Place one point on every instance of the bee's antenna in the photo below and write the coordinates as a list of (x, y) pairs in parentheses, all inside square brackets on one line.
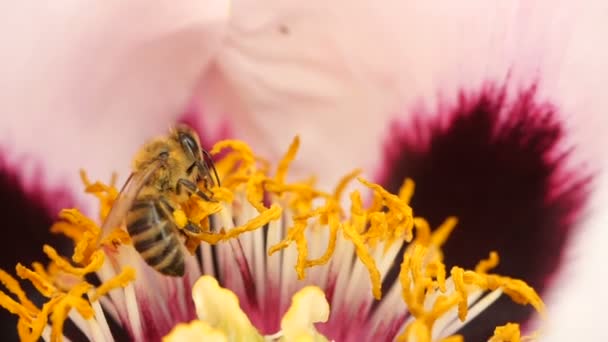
[(210, 162)]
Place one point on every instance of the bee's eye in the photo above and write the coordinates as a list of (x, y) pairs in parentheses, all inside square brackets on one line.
[(189, 144)]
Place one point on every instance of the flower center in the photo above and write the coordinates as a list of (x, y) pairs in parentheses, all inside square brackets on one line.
[(246, 180)]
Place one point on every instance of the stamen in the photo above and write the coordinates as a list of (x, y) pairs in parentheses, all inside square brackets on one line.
[(106, 194), (94, 264), (507, 333), (121, 280), (286, 161), (13, 287), (365, 257), (344, 181), (483, 266), (399, 215), (45, 287), (373, 233)]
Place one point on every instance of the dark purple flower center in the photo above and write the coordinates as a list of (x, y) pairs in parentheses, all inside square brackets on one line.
[(27, 214), (498, 163)]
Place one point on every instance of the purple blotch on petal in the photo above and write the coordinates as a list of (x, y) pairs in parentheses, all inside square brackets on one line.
[(499, 163), (28, 210)]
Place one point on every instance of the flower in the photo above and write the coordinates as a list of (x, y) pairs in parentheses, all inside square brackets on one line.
[(253, 213), (282, 63)]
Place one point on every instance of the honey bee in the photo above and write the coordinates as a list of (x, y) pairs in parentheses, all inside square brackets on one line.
[(166, 172)]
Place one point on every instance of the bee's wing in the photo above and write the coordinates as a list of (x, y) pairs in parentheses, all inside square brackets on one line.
[(126, 197)]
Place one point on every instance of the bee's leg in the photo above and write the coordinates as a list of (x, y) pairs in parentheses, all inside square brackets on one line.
[(191, 228), (185, 184)]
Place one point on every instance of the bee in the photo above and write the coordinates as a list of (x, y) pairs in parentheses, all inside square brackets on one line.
[(166, 172)]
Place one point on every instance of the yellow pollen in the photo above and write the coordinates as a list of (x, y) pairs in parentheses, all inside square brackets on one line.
[(339, 190), (483, 266), (96, 261), (116, 237), (12, 285), (45, 287), (244, 152), (121, 280), (507, 333), (366, 259), (283, 166), (105, 193), (180, 218), (407, 190), (399, 214)]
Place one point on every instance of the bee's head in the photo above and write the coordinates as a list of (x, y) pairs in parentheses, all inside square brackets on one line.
[(188, 141), (198, 156)]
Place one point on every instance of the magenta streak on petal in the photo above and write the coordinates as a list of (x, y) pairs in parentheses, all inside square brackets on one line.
[(497, 161), (195, 118), (152, 330)]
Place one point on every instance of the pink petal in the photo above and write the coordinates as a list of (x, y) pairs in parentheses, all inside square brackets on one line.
[(85, 83)]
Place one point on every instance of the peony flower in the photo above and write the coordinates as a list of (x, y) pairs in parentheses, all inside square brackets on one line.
[(253, 213), (249, 67)]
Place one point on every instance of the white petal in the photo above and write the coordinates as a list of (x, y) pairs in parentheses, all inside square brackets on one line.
[(84, 83)]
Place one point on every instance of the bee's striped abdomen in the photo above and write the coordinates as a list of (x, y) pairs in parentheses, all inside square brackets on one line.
[(154, 236)]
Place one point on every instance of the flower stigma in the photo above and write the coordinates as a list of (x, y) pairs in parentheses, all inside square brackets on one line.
[(101, 276)]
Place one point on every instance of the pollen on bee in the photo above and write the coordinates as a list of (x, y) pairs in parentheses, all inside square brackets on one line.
[(180, 218)]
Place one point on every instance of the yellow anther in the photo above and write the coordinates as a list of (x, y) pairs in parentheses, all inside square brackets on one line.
[(407, 190), (518, 290), (14, 307), (246, 156), (13, 287), (117, 237), (73, 224), (72, 299), (344, 181), (292, 235), (96, 261), (399, 214), (366, 258), (271, 214), (302, 247), (283, 166), (121, 280), (423, 231), (106, 194), (255, 191), (334, 225), (441, 234), (457, 277), (485, 265), (84, 247), (506, 333), (32, 331), (41, 284)]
